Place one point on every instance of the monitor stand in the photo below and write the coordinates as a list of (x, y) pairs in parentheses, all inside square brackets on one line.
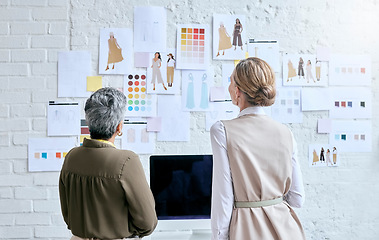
[(201, 235)]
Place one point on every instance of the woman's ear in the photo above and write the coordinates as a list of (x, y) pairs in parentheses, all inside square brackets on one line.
[(119, 126)]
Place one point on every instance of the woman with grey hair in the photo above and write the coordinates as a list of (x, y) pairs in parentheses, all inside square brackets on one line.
[(103, 190)]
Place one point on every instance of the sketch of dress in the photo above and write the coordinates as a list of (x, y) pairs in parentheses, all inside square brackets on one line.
[(291, 71), (315, 157), (131, 135), (204, 93), (144, 135), (157, 72), (190, 93), (224, 41), (115, 54), (318, 70)]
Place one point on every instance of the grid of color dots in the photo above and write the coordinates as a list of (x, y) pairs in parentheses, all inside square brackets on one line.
[(138, 100), (192, 42)]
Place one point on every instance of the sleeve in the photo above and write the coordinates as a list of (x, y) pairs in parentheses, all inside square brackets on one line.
[(296, 195), (63, 199), (222, 189), (139, 197)]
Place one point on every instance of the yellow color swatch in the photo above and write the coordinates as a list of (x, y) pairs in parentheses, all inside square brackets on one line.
[(236, 62), (94, 83)]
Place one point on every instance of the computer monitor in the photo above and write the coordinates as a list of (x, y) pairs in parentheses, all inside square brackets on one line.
[(182, 186)]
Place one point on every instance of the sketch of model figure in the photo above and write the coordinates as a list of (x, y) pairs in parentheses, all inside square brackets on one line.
[(328, 161), (322, 157), (190, 93), (114, 52), (170, 69), (309, 71), (315, 157), (157, 63), (224, 40), (318, 70), (300, 69), (291, 71), (237, 34), (334, 155), (204, 93)]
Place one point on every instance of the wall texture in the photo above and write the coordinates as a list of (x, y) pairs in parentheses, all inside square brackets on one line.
[(340, 202)]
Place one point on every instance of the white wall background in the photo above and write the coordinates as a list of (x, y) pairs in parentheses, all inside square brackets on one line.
[(341, 203)]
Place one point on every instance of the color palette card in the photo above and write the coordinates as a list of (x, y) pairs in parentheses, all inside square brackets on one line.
[(353, 70), (193, 46), (140, 104)]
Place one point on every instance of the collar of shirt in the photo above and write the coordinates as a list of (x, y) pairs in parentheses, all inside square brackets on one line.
[(105, 141), (252, 110)]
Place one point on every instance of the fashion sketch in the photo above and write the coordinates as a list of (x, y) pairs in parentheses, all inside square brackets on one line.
[(315, 158), (170, 69), (328, 161), (157, 76), (114, 52), (237, 40), (309, 75), (318, 70), (190, 93), (204, 92), (322, 157), (291, 71), (224, 40), (300, 70), (334, 155)]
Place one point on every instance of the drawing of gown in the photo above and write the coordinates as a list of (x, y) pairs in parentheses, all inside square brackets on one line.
[(204, 93), (157, 72), (309, 73), (237, 35), (190, 93), (315, 157), (291, 71), (115, 54), (224, 40)]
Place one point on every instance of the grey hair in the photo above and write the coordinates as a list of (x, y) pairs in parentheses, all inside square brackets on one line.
[(104, 110)]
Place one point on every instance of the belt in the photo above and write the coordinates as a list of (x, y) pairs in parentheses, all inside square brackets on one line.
[(264, 203)]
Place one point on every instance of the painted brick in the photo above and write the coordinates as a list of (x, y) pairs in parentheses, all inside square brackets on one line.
[(4, 56), (53, 193), (35, 110), (16, 232), (11, 14), (7, 219), (58, 28), (30, 193), (5, 193), (17, 83), (52, 232), (44, 96), (52, 83), (20, 167), (29, 55), (4, 111), (14, 206), (57, 3), (50, 14), (4, 2), (15, 97), (48, 42), (31, 3), (13, 69), (33, 219), (8, 42), (14, 125), (39, 124), (4, 141), (57, 220), (44, 68), (22, 28), (47, 179), (4, 28), (47, 206), (13, 153)]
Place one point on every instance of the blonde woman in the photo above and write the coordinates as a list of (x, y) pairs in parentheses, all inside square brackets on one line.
[(256, 175)]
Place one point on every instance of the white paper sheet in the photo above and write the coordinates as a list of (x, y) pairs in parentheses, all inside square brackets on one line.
[(175, 122), (73, 69), (63, 119), (116, 52), (47, 154), (150, 29), (160, 76), (136, 138), (351, 135), (303, 70), (267, 50), (141, 59), (195, 90), (324, 125), (323, 155), (352, 70), (286, 108), (229, 38), (140, 104), (350, 102), (315, 99), (193, 46), (220, 111)]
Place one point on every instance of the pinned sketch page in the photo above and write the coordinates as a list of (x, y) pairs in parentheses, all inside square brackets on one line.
[(73, 69), (48, 154), (315, 99), (63, 119), (323, 155), (267, 50), (136, 138)]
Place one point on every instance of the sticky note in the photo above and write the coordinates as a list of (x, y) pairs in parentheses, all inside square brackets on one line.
[(236, 62), (94, 83)]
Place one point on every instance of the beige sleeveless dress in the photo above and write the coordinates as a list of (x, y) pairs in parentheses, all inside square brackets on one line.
[(261, 172)]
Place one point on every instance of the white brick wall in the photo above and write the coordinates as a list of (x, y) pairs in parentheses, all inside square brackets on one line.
[(340, 203)]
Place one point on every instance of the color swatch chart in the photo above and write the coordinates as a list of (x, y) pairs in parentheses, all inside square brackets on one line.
[(139, 103), (193, 49), (286, 108)]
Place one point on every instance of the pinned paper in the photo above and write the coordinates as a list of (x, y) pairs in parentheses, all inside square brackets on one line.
[(315, 99), (154, 124), (217, 94), (323, 54), (141, 59), (94, 83), (324, 125)]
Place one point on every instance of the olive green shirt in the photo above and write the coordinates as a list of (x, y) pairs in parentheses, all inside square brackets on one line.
[(104, 193)]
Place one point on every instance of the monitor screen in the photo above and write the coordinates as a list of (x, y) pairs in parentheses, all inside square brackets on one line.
[(182, 186)]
